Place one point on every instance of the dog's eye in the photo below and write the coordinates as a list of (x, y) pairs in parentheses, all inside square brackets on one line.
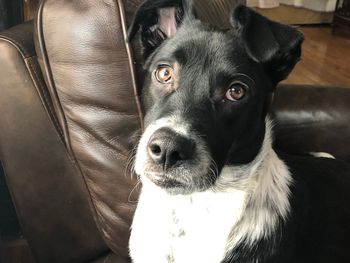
[(236, 91), (164, 74)]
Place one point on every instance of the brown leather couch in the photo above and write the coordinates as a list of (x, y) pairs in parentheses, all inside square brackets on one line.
[(70, 117)]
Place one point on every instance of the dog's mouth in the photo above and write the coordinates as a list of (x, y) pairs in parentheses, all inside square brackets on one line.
[(163, 180), (180, 182)]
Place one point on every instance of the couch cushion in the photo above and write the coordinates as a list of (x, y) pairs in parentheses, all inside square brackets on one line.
[(49, 194), (313, 119), (90, 75)]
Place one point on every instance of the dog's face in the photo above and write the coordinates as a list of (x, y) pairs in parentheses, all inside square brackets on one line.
[(206, 91)]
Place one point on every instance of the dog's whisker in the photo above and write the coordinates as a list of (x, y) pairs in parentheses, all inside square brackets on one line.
[(132, 191), (214, 166), (130, 164), (132, 170)]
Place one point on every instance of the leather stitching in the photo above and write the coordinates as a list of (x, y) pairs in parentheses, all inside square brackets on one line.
[(46, 100), (50, 80), (35, 78), (130, 60)]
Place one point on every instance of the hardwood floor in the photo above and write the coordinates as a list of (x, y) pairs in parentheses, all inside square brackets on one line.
[(325, 58)]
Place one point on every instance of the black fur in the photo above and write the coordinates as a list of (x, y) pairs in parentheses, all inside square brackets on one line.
[(259, 53), (317, 229)]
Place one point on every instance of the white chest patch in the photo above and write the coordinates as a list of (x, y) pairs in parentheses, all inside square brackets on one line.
[(183, 229)]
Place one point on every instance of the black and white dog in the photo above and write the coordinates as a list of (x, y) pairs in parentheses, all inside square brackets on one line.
[(214, 189)]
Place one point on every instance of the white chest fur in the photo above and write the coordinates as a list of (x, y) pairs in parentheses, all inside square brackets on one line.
[(183, 229)]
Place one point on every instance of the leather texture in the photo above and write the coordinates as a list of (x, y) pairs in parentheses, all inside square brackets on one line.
[(109, 258), (48, 191), (91, 81), (313, 119)]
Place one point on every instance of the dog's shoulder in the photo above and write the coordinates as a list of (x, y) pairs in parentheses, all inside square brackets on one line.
[(325, 174), (323, 183), (320, 208)]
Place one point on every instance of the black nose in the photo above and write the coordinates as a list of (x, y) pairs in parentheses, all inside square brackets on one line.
[(169, 149)]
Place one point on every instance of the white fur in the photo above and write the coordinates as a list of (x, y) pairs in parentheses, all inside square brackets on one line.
[(205, 226), (192, 228)]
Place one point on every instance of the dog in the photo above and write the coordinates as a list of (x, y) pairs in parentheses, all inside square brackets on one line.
[(214, 189)]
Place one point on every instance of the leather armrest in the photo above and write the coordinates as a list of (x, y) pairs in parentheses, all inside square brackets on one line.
[(46, 186)]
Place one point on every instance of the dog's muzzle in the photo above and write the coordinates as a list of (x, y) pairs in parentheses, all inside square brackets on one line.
[(173, 158)]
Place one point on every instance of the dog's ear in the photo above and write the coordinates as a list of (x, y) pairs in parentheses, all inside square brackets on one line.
[(159, 20), (276, 46)]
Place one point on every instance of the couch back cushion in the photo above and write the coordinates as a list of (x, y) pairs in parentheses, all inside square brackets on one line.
[(90, 75)]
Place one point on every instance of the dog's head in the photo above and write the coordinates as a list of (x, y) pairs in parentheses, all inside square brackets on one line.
[(206, 91)]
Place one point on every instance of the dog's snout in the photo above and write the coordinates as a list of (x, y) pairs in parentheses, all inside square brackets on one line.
[(168, 148)]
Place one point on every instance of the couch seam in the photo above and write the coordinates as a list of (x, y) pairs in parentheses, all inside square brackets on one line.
[(130, 61), (51, 83), (15, 44), (46, 101)]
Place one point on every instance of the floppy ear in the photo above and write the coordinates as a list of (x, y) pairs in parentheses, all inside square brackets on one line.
[(276, 46), (158, 20)]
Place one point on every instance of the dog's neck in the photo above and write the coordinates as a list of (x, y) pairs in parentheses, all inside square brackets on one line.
[(266, 182), (246, 204)]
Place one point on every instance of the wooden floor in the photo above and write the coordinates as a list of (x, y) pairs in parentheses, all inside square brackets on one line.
[(325, 58)]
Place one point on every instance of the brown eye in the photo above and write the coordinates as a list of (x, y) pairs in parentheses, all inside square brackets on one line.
[(236, 91), (164, 74)]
